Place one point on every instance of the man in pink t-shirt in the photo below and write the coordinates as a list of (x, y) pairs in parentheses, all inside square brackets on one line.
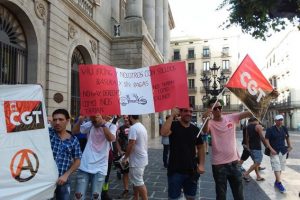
[(224, 151)]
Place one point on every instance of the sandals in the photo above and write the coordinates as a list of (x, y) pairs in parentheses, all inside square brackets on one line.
[(260, 179)]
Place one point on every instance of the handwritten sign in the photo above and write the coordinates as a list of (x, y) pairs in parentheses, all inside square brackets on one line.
[(110, 90)]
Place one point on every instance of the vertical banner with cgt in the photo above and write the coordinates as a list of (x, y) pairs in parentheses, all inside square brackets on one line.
[(27, 170)]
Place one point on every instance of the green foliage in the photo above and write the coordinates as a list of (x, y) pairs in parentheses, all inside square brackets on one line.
[(259, 17)]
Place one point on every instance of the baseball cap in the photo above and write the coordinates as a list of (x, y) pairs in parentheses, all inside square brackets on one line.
[(278, 117)]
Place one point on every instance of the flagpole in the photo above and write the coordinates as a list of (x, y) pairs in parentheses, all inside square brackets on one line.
[(206, 119)]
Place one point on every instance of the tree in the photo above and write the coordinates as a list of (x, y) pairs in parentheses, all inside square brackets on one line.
[(259, 17)]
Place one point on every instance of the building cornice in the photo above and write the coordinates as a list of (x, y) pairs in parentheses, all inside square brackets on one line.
[(72, 5)]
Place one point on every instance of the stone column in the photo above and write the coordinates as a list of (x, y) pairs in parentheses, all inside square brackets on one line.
[(159, 34), (134, 9), (149, 16), (166, 31)]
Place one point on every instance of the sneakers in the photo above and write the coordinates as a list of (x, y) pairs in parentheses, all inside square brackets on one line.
[(279, 186)]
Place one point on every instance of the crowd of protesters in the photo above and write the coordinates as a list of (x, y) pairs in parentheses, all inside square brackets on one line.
[(184, 154)]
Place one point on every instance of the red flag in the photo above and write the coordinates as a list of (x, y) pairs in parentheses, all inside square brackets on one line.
[(251, 87)]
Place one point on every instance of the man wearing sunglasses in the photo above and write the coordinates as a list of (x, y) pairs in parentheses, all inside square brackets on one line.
[(275, 140), (224, 150), (183, 171)]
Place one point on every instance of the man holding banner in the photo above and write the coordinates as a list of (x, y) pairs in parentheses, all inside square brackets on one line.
[(94, 162), (224, 152), (183, 170), (254, 90), (66, 152)]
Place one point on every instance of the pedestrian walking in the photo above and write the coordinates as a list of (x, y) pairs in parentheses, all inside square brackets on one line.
[(255, 136), (275, 139), (183, 169), (66, 152), (94, 163), (137, 152), (224, 150)]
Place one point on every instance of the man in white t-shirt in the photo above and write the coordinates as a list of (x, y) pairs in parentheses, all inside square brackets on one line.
[(137, 152), (94, 163)]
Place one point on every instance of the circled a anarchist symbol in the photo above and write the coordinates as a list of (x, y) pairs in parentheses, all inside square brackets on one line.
[(24, 165)]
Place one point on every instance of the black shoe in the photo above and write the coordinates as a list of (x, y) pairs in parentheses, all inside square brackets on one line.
[(261, 168), (105, 196)]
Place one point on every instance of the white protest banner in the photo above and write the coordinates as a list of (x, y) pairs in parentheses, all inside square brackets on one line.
[(28, 170), (111, 90)]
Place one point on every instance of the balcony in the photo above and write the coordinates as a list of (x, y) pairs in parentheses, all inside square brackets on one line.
[(207, 72), (192, 89), (86, 5), (176, 57), (289, 105), (227, 70), (206, 55), (225, 54), (191, 72), (191, 56)]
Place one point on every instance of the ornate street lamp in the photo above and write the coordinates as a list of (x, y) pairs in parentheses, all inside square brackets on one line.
[(218, 83)]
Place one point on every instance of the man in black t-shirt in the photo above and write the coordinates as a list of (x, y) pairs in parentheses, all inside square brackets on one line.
[(183, 171)]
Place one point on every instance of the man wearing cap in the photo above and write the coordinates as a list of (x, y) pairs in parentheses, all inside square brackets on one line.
[(275, 140)]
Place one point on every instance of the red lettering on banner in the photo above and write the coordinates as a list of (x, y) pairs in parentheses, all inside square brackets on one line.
[(99, 91), (169, 86), (24, 161)]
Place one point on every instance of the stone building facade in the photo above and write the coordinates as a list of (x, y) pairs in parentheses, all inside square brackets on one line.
[(200, 54), (282, 70), (44, 41)]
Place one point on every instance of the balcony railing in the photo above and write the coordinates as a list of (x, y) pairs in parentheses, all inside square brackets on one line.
[(86, 5), (285, 105), (191, 72), (205, 55), (225, 54), (177, 57), (227, 70), (192, 89), (191, 56)]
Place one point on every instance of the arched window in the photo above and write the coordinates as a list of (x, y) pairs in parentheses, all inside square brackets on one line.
[(77, 59), (13, 49)]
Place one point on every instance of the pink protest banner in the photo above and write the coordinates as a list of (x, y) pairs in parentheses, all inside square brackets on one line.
[(110, 90)]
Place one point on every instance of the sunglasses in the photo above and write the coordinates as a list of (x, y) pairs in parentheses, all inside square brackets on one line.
[(279, 120), (217, 107)]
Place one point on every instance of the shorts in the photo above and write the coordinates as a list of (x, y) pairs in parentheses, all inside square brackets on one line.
[(256, 156), (187, 182), (278, 162), (136, 175), (205, 138)]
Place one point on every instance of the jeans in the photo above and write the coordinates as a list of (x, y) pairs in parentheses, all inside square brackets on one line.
[(166, 154), (82, 182), (62, 192), (233, 174), (187, 182)]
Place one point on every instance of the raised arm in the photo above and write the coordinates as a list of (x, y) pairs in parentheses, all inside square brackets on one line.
[(76, 127), (166, 127)]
